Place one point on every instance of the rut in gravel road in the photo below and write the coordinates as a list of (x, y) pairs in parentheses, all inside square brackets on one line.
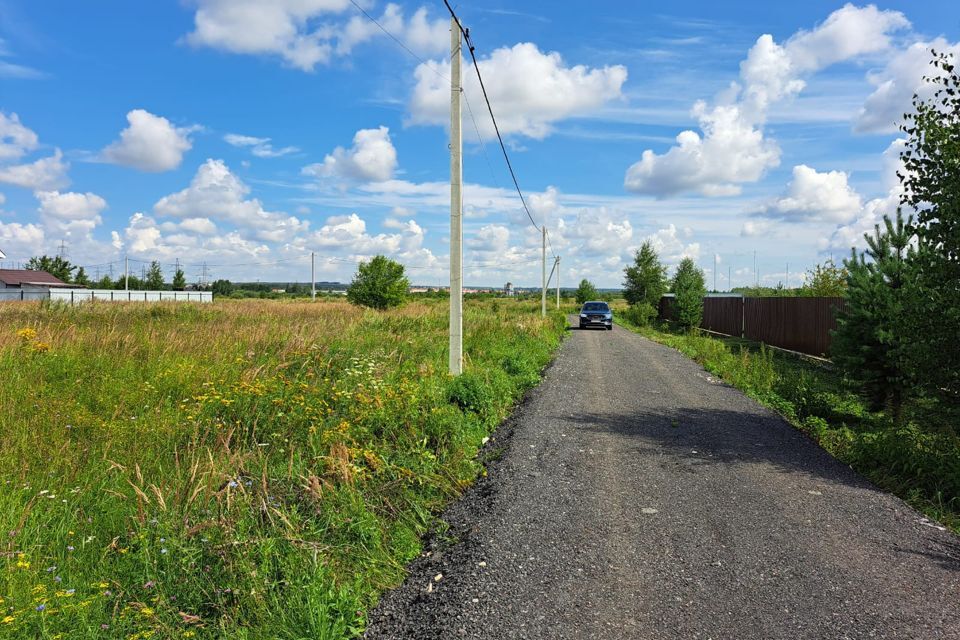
[(637, 497)]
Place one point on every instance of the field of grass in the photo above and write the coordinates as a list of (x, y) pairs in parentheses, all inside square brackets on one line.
[(247, 469), (918, 459)]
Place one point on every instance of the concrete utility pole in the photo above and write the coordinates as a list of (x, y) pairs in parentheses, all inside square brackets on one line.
[(313, 279), (543, 296), (456, 205), (557, 267), (126, 273)]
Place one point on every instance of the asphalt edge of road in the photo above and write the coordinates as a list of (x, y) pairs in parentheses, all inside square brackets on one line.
[(448, 542)]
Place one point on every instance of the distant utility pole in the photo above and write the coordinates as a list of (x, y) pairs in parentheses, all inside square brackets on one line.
[(456, 204), (714, 271), (63, 249), (557, 267), (729, 281), (313, 278), (543, 254), (126, 273)]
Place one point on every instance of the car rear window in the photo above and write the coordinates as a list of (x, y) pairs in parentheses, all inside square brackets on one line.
[(595, 306)]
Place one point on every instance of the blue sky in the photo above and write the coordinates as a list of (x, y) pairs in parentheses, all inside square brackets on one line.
[(245, 135)]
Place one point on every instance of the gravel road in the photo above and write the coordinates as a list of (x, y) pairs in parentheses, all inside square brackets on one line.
[(635, 496)]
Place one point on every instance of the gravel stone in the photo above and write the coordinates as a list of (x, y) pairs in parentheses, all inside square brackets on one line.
[(758, 533)]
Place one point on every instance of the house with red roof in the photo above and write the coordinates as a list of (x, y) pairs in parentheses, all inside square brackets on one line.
[(27, 280)]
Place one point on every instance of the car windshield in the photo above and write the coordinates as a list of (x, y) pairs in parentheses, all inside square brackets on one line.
[(596, 306)]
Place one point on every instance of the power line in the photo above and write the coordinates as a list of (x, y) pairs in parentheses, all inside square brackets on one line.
[(397, 40), (503, 148)]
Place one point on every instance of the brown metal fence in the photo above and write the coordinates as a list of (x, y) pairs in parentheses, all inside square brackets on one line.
[(798, 324)]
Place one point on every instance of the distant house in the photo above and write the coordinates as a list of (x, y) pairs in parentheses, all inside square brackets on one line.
[(27, 280)]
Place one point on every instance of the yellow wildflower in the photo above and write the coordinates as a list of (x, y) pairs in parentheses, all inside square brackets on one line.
[(147, 612), (7, 619), (27, 335), (40, 347)]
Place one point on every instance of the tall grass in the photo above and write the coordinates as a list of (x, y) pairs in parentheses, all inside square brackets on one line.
[(918, 459), (245, 469)]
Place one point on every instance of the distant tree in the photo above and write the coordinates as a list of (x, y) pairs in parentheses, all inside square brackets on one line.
[(135, 283), (379, 284), (104, 283), (222, 287), (931, 187), (868, 344), (81, 278), (179, 280), (689, 288), (57, 267), (646, 279), (154, 281), (586, 291), (825, 280)]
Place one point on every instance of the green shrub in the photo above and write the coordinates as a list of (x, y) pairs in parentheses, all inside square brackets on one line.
[(640, 314)]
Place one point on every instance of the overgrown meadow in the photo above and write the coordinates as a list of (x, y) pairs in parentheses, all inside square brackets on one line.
[(918, 458), (243, 469)]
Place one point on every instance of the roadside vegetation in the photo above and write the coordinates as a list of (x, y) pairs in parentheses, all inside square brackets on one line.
[(255, 469)]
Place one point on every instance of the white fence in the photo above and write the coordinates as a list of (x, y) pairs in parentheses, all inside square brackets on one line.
[(76, 296)]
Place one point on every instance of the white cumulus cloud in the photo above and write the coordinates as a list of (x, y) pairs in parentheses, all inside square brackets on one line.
[(215, 192), (896, 84), (732, 148), (15, 139), (305, 33), (811, 195), (149, 143), (74, 215), (372, 158), (530, 90), (45, 173)]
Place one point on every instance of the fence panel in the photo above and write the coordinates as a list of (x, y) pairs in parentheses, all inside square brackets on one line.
[(798, 324), (723, 315)]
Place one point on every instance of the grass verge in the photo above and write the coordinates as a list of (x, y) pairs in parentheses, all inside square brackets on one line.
[(918, 460), (255, 469)]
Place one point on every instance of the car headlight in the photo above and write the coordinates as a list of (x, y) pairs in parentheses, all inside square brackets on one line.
[(583, 315)]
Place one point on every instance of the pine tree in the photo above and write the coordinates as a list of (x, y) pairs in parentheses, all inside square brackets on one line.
[(645, 280), (179, 280), (868, 344), (931, 186), (586, 291), (154, 281), (689, 287)]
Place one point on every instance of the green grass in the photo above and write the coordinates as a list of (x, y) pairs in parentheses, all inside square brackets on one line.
[(917, 459), (255, 469)]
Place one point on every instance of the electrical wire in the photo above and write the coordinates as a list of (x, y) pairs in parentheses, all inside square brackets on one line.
[(483, 88)]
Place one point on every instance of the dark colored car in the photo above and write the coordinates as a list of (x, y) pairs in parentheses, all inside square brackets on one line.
[(596, 314)]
